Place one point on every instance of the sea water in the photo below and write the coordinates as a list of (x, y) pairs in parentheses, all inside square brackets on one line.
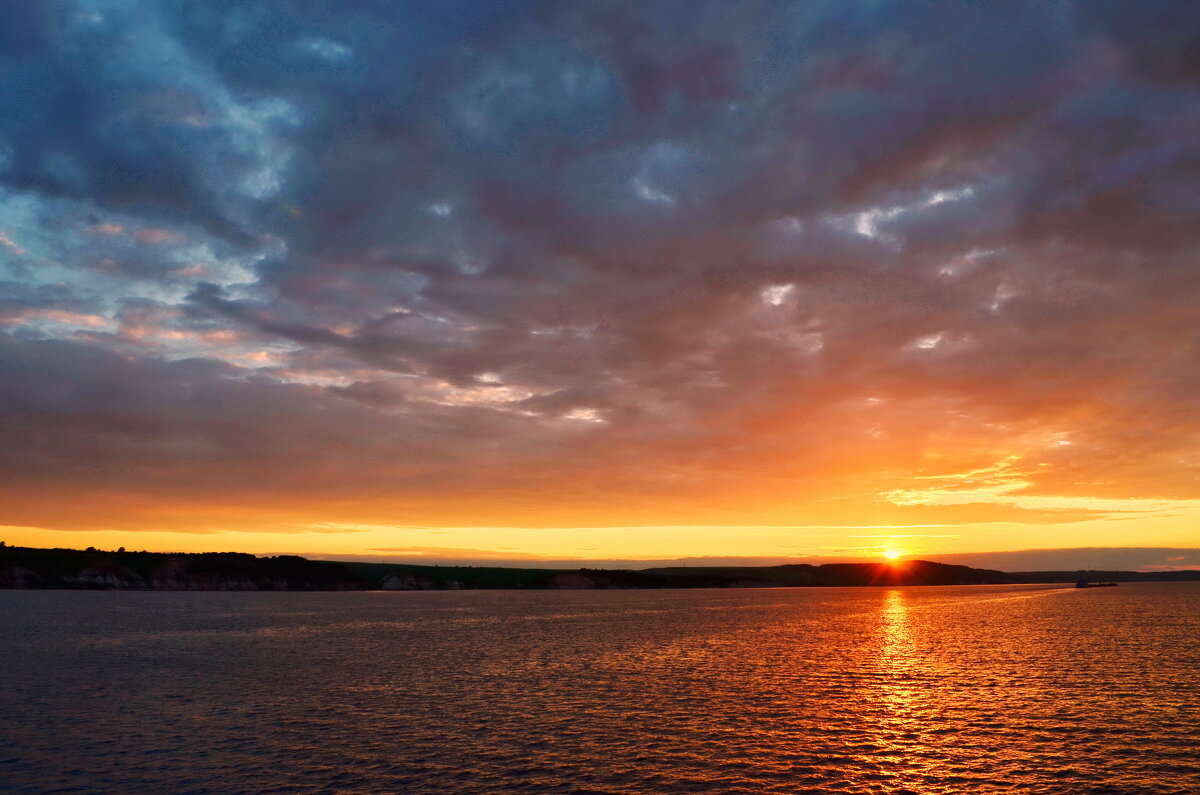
[(832, 690)]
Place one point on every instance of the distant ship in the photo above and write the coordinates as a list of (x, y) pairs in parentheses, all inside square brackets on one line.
[(1086, 584)]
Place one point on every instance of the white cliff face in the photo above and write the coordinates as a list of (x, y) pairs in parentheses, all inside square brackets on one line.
[(403, 581), (109, 576)]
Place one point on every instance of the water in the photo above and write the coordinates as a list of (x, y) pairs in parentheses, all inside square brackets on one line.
[(924, 690)]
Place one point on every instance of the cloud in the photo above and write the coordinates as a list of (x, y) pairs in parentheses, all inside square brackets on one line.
[(550, 261)]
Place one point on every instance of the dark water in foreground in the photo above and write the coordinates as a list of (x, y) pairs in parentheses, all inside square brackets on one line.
[(927, 690)]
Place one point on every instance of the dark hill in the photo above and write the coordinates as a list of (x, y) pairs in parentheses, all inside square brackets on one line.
[(909, 572), (29, 567)]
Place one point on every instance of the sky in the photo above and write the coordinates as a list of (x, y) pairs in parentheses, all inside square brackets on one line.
[(496, 280)]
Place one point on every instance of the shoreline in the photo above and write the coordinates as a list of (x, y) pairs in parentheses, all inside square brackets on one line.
[(32, 568)]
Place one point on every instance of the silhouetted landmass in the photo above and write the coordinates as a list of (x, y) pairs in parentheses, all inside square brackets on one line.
[(1093, 575), (29, 567), (910, 572)]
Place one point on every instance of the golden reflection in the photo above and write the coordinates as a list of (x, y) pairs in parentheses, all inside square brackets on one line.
[(898, 679), (898, 651)]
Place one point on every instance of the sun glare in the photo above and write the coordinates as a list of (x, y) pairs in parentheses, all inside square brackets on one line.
[(893, 554)]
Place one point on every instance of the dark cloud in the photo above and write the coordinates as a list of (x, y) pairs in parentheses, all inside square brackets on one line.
[(660, 247), (1159, 40)]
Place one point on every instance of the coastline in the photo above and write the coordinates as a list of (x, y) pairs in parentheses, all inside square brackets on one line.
[(93, 569)]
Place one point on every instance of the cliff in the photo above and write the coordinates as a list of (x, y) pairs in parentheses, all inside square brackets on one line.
[(28, 567)]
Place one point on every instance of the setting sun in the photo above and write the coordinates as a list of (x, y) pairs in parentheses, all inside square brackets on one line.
[(893, 554)]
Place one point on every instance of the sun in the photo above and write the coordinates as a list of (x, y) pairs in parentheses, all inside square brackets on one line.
[(893, 554)]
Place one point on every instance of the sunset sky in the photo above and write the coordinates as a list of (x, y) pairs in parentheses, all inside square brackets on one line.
[(600, 280)]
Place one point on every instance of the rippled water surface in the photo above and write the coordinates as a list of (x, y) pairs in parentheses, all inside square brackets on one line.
[(924, 690)]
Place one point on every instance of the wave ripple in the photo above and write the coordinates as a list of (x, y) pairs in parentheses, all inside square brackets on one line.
[(922, 690)]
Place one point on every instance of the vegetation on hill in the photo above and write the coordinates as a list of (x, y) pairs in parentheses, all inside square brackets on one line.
[(28, 567)]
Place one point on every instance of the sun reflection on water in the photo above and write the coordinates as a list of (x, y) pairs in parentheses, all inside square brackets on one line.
[(895, 625), (899, 679)]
